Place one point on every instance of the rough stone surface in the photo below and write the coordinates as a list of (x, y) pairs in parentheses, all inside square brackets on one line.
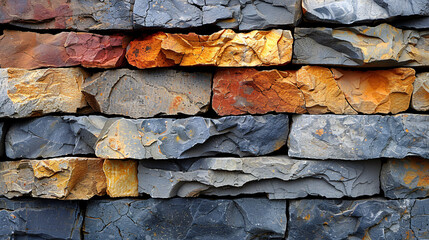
[(244, 15), (405, 178), (420, 99), (39, 219), (31, 93), (2, 136), (16, 178), (413, 23), (148, 93), (180, 218), (224, 48), (361, 11), (348, 219), (279, 177), (30, 50), (53, 136), (420, 219), (355, 137), (68, 14), (162, 138), (380, 46), (121, 178)]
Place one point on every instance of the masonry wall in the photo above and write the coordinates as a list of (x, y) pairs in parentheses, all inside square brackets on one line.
[(215, 119)]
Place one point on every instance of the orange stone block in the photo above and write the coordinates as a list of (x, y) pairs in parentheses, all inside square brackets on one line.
[(121, 178)]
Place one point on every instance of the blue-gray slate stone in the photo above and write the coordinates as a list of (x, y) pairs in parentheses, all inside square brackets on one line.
[(280, 177), (356, 219), (163, 138), (237, 14), (420, 219), (40, 219), (53, 136), (184, 218), (413, 23), (359, 137), (2, 136)]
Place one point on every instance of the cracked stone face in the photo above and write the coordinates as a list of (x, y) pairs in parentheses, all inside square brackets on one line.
[(148, 93), (420, 99), (181, 218), (162, 138), (279, 177), (243, 15), (359, 137)]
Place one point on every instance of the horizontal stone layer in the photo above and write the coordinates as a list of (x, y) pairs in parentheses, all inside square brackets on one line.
[(413, 23), (181, 218), (312, 89), (358, 219), (224, 49), (358, 11), (162, 138), (244, 15), (279, 177), (358, 137), (40, 219), (68, 14), (30, 50), (405, 178), (380, 46), (68, 178), (31, 93), (148, 93), (420, 99)]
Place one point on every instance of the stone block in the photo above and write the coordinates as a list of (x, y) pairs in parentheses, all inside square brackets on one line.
[(420, 99), (420, 219), (162, 138), (180, 218), (2, 137), (358, 137), (121, 178), (224, 49), (138, 93)]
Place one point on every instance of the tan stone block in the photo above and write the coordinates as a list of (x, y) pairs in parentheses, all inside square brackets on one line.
[(121, 178)]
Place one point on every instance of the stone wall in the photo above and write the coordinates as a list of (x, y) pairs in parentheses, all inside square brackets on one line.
[(214, 119)]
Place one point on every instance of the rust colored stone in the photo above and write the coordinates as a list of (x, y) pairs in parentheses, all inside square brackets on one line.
[(121, 178), (224, 48), (31, 50)]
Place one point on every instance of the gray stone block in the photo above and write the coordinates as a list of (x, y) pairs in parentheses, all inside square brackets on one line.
[(53, 136), (163, 138), (279, 177), (420, 219), (180, 218), (147, 93), (2, 136), (238, 14), (420, 97), (39, 219), (413, 23), (358, 137), (348, 219)]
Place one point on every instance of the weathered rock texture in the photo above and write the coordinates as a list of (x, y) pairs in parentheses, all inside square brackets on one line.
[(36, 219), (53, 136), (68, 14), (2, 136), (279, 177), (180, 218), (244, 15), (31, 50), (121, 178), (312, 89), (405, 178), (380, 46), (361, 11), (359, 219), (148, 93), (224, 48), (420, 219), (359, 136), (420, 99), (31, 93), (162, 138)]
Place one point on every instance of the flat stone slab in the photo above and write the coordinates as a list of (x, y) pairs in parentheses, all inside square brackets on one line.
[(53, 136), (420, 99), (162, 138), (413, 23), (361, 11), (224, 49), (358, 219), (380, 46), (279, 177), (26, 93), (68, 14), (30, 50), (358, 137), (138, 93), (40, 219), (180, 218), (405, 178), (243, 15)]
